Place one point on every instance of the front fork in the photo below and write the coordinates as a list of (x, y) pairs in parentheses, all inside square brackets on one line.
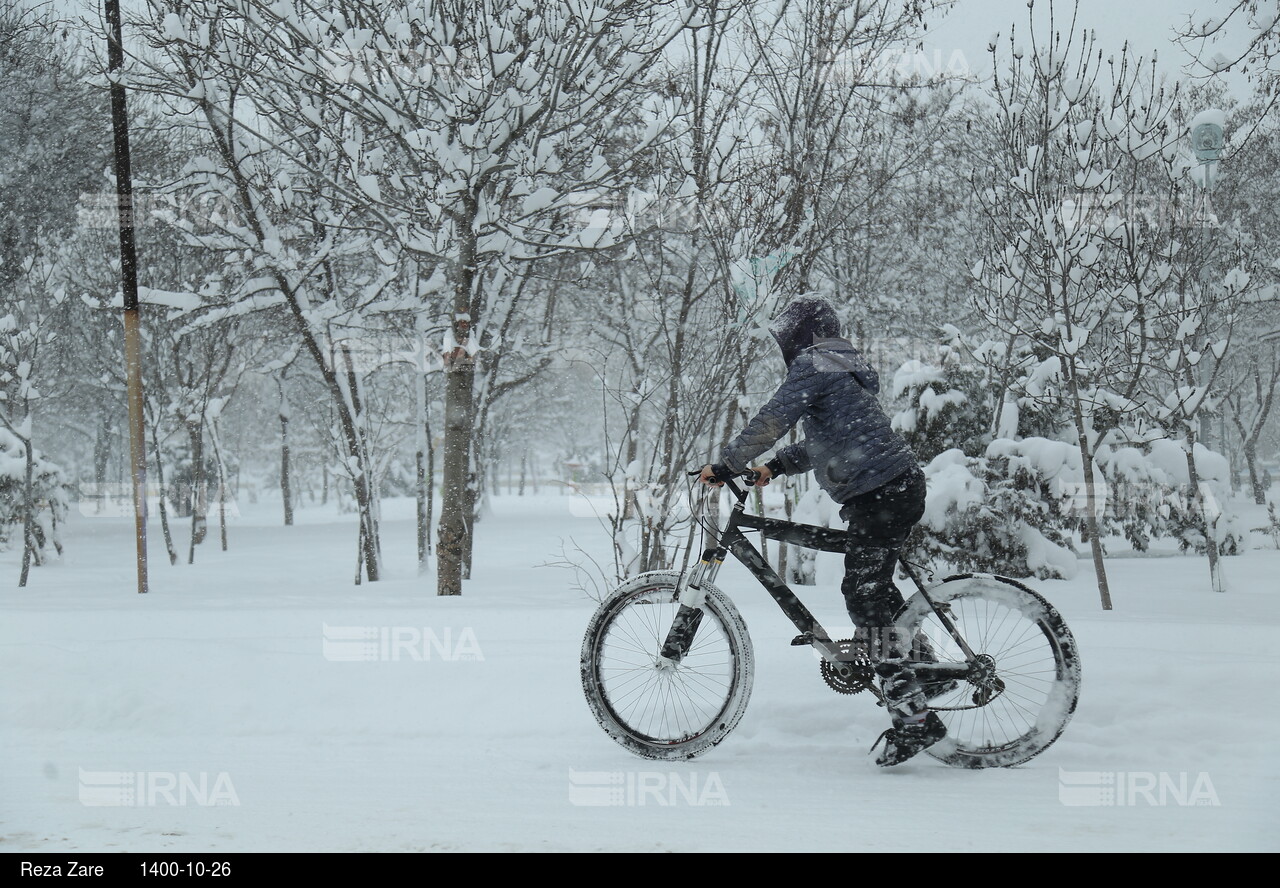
[(692, 595)]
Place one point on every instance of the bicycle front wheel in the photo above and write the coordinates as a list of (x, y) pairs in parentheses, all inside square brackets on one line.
[(1020, 699), (656, 709)]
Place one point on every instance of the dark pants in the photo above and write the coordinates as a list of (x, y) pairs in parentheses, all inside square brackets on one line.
[(879, 522)]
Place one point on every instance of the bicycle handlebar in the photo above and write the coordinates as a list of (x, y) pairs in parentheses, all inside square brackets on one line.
[(749, 475)]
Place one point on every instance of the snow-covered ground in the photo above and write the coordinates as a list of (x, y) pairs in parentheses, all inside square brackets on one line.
[(224, 696)]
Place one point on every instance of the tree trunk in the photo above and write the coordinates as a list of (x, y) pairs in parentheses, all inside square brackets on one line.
[(222, 485), (286, 480), (350, 416), (1200, 510), (431, 484), (222, 508), (1249, 436), (28, 509), (55, 531), (422, 434), (1255, 479), (1090, 490), (459, 415), (633, 451), (1091, 523), (451, 533), (195, 431), (360, 553), (420, 510), (471, 498), (164, 495)]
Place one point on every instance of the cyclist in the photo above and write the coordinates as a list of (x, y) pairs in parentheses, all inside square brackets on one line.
[(867, 467)]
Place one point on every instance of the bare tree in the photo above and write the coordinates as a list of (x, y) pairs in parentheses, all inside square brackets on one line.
[(280, 212), (1073, 269)]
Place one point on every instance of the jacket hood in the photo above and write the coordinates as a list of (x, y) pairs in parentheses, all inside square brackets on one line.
[(804, 320), (837, 355)]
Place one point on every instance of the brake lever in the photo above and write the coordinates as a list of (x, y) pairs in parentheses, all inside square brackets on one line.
[(750, 475)]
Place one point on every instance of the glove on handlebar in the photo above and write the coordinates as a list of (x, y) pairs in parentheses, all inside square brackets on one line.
[(722, 474)]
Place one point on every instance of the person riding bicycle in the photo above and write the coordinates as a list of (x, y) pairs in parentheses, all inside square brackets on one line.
[(866, 467)]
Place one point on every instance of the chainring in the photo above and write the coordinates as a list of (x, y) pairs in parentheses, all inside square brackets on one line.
[(862, 676)]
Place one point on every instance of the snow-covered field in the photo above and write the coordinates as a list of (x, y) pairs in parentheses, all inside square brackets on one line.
[(224, 696)]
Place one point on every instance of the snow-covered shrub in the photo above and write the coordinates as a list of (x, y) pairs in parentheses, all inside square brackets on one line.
[(943, 407), (49, 490), (1273, 523), (995, 513), (1148, 496)]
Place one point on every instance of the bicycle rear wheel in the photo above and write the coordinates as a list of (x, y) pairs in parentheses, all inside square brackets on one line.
[(1032, 680), (653, 708)]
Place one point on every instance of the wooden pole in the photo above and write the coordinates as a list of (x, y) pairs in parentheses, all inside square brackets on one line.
[(128, 285)]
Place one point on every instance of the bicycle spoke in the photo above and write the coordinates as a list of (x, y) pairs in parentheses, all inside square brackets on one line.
[(667, 702), (1021, 637)]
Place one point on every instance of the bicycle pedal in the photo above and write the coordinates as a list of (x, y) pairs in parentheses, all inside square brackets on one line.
[(804, 638)]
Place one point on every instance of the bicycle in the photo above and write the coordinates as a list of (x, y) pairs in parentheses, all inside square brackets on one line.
[(667, 663)]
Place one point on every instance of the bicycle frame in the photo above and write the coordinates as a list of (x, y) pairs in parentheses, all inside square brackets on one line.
[(734, 541)]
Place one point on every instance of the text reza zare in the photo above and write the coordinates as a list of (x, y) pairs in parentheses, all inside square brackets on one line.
[(56, 869)]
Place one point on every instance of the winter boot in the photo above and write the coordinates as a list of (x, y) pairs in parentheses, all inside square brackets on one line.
[(915, 728), (905, 740)]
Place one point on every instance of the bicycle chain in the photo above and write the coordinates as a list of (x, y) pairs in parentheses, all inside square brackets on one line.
[(981, 697), (863, 676)]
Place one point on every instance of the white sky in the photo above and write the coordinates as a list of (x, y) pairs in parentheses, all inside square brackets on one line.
[(958, 40), (961, 36)]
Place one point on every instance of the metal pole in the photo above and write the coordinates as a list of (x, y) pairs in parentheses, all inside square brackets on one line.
[(128, 285)]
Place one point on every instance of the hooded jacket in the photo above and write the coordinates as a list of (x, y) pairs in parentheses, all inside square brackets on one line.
[(849, 443)]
